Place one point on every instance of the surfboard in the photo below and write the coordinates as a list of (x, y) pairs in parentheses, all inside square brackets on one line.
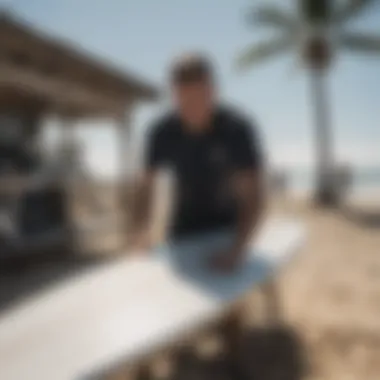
[(131, 307)]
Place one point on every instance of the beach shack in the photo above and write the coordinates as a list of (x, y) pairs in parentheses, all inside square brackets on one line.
[(43, 77)]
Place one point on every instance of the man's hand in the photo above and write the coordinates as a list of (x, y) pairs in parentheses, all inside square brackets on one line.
[(228, 261)]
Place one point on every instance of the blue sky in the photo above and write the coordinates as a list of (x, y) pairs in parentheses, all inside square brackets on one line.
[(143, 35)]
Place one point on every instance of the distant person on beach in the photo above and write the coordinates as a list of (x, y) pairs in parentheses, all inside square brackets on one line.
[(216, 158)]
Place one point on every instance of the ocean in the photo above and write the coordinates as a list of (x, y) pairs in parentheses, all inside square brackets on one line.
[(365, 181)]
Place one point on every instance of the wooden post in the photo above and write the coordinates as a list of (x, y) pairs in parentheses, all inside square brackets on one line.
[(67, 143), (123, 190), (62, 180), (65, 130)]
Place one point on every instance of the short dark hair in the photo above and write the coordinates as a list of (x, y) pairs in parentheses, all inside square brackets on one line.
[(191, 68)]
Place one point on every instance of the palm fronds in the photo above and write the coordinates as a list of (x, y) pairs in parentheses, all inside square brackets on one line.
[(270, 15), (351, 9), (360, 42), (260, 52), (316, 11)]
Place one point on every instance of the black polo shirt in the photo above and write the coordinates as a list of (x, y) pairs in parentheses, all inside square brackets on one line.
[(202, 164)]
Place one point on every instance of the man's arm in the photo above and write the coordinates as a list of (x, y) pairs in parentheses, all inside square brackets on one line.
[(250, 195), (142, 206), (141, 210), (249, 191), (248, 183)]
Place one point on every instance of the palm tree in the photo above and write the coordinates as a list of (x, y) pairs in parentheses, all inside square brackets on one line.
[(315, 31)]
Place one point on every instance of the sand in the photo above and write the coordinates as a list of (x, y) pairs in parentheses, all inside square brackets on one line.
[(331, 295), (330, 303), (330, 298)]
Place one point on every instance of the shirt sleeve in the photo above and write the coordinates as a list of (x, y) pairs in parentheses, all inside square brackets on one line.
[(246, 147)]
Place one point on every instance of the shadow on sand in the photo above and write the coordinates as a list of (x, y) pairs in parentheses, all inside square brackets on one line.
[(367, 219), (271, 353)]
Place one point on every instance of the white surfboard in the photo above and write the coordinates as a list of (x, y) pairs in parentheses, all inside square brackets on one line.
[(128, 308)]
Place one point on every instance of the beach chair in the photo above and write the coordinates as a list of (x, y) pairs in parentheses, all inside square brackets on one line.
[(130, 309)]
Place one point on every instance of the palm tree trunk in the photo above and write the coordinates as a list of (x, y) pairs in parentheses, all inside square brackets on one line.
[(325, 190)]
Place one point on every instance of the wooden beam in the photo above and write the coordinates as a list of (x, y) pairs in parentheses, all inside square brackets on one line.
[(21, 37), (59, 92)]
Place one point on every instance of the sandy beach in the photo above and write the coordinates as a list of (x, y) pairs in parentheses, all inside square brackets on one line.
[(331, 295), (330, 299)]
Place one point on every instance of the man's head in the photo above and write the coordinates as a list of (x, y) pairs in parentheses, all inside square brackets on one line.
[(193, 89)]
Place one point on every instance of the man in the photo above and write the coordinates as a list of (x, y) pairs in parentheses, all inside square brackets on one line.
[(216, 159)]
